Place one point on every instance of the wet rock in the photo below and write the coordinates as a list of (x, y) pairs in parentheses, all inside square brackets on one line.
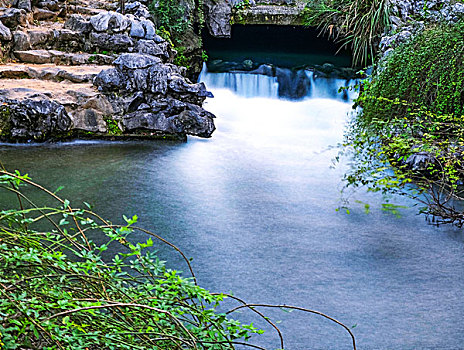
[(5, 33), (37, 120)]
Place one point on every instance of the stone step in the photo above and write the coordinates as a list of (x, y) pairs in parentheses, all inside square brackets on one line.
[(75, 74), (62, 58), (65, 93), (47, 37)]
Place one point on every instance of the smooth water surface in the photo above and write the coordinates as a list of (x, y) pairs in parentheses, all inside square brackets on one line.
[(255, 208)]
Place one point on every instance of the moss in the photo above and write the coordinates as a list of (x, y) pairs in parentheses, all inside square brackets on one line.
[(5, 122)]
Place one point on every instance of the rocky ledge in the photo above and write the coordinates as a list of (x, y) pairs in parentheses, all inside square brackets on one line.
[(86, 70)]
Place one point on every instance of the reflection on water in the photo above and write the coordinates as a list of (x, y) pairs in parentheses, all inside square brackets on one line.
[(255, 208)]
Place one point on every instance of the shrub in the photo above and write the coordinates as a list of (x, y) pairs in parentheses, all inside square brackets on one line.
[(60, 290), (358, 24), (170, 14), (412, 109)]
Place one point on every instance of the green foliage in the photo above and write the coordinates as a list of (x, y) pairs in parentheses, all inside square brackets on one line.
[(60, 290), (113, 126), (170, 14), (242, 5), (413, 107), (356, 23), (181, 59), (426, 73)]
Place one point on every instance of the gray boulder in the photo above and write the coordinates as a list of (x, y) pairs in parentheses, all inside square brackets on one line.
[(78, 23), (5, 33), (37, 120), (21, 41), (136, 61), (110, 20), (218, 14), (150, 31), (108, 42), (13, 17), (150, 47), (137, 30)]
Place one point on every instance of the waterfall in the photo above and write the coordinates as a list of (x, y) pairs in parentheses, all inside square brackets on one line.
[(285, 84), (243, 84)]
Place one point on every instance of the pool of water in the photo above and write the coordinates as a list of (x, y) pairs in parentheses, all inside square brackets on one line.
[(254, 207)]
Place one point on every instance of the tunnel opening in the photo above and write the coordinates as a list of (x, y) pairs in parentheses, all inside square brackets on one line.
[(285, 46)]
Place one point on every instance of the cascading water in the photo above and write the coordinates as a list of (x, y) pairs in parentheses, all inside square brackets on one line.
[(278, 82), (247, 85)]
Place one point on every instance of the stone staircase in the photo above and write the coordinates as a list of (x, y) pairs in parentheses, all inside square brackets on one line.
[(53, 50)]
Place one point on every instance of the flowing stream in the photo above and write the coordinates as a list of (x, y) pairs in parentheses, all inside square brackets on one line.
[(254, 207)]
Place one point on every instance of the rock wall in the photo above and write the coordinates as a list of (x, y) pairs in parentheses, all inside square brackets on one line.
[(220, 15), (87, 70), (410, 16)]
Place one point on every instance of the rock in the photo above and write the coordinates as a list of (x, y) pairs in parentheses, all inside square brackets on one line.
[(14, 17), (150, 31), (112, 21), (247, 65), (136, 61), (109, 80), (195, 121), (264, 69), (218, 15), (37, 120), (137, 30), (21, 41), (24, 5), (5, 33), (108, 42), (420, 161), (158, 39), (34, 56), (151, 48), (39, 37), (155, 96), (52, 5), (78, 23), (44, 15)]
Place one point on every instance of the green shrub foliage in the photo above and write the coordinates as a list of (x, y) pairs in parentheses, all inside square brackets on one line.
[(413, 108), (61, 290), (358, 24), (170, 14), (426, 73), (58, 289)]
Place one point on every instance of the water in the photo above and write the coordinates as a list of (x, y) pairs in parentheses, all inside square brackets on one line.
[(255, 208)]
